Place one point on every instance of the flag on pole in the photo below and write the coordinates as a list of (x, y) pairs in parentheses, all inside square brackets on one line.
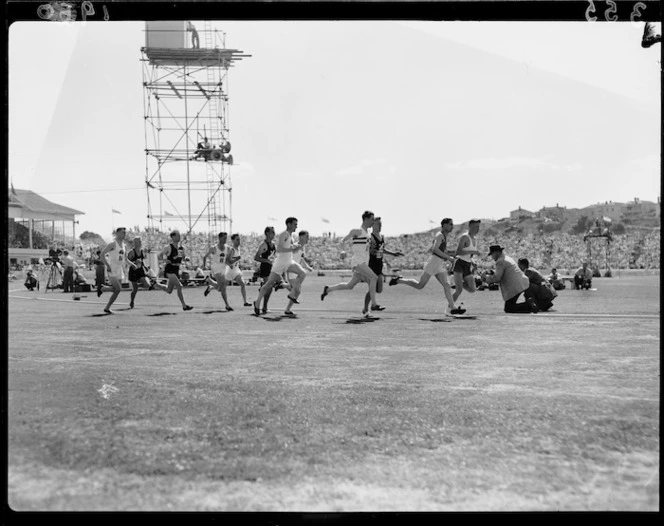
[(168, 213), (13, 191), (324, 220), (115, 211)]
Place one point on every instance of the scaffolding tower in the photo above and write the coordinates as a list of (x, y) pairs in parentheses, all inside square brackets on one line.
[(187, 144), (598, 259)]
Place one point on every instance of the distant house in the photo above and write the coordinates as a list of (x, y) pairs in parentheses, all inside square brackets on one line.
[(520, 213)]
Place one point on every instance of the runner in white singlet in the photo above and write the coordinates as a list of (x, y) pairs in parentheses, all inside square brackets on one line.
[(464, 278), (233, 271), (284, 263), (218, 255), (114, 256), (436, 266), (359, 262)]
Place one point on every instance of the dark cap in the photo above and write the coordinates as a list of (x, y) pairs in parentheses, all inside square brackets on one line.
[(495, 248), (474, 220)]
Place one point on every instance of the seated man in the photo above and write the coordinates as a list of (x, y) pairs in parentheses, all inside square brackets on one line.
[(31, 282), (556, 280), (583, 277), (541, 289), (203, 149)]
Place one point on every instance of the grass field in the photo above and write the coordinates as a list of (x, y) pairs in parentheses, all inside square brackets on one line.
[(159, 409)]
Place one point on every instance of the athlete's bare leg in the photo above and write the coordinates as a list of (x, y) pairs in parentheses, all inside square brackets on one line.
[(115, 283), (442, 278), (416, 284)]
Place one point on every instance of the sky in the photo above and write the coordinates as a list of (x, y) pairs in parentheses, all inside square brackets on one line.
[(415, 121)]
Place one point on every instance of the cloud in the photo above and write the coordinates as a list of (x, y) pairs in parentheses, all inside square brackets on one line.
[(360, 168), (492, 163)]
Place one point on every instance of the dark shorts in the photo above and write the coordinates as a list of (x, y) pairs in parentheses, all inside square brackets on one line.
[(264, 271), (136, 274), (462, 266), (172, 269), (376, 265)]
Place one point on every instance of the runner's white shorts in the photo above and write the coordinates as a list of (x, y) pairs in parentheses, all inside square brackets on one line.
[(357, 260), (232, 273), (116, 272), (435, 265), (218, 268)]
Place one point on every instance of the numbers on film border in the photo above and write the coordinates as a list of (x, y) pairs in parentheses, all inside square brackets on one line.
[(611, 12), (66, 12)]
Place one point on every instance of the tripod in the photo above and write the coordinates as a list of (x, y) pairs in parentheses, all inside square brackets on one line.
[(54, 278)]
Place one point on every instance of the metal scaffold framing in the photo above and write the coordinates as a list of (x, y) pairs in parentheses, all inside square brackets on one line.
[(187, 141)]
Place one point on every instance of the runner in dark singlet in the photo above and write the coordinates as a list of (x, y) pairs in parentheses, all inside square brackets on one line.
[(376, 251), (264, 255), (137, 274), (174, 254)]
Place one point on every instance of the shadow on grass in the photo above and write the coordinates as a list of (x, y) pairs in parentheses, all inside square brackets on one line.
[(436, 320), (162, 314), (222, 311), (361, 320)]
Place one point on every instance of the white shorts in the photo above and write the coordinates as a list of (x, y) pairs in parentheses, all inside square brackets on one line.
[(218, 268), (280, 266), (232, 273), (435, 265), (357, 260), (117, 272)]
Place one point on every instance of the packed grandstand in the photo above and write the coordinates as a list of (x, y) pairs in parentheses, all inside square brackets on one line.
[(633, 249)]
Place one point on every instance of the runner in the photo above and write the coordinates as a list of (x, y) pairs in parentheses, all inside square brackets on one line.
[(464, 279), (359, 262), (435, 266), (376, 251), (283, 263), (300, 258), (218, 255), (137, 274), (264, 254), (233, 271), (174, 254), (114, 256)]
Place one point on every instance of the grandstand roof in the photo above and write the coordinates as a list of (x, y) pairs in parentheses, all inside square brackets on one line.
[(29, 205)]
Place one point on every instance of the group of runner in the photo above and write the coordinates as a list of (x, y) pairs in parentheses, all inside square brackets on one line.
[(283, 264)]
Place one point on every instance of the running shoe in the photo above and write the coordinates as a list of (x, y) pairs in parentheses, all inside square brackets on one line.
[(207, 291), (257, 310), (395, 280), (366, 314), (290, 314), (293, 300), (109, 311), (247, 304), (229, 308), (99, 291), (457, 310), (265, 311), (279, 286), (131, 304), (377, 307), (187, 307), (322, 296)]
